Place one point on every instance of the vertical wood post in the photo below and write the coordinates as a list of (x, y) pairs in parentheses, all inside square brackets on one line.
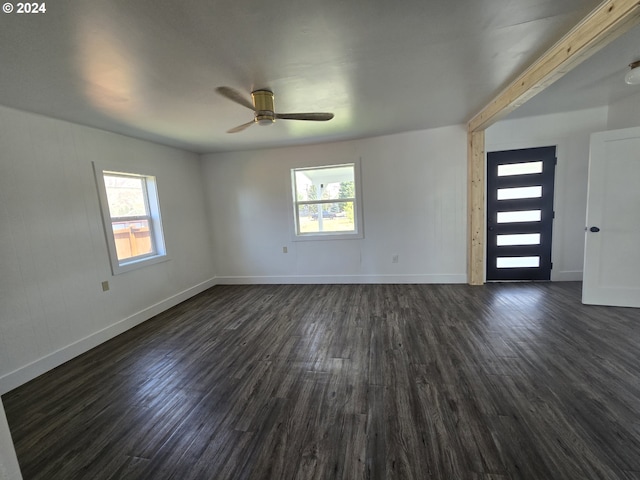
[(475, 208)]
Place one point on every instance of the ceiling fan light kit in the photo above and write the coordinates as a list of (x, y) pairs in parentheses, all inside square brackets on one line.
[(633, 76), (263, 109), (263, 104)]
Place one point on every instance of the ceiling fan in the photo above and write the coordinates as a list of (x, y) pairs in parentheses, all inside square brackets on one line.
[(262, 106)]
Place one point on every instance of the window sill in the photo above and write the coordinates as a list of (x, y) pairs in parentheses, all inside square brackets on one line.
[(327, 236), (139, 263)]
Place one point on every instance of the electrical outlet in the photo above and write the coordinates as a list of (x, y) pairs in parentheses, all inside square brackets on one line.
[(105, 286), (284, 250), (394, 258)]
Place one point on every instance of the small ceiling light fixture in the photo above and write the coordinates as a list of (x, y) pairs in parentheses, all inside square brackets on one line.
[(633, 76)]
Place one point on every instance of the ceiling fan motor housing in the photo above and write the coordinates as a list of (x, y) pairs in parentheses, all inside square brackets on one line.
[(263, 103)]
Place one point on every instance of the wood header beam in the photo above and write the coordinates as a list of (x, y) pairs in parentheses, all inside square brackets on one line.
[(607, 22)]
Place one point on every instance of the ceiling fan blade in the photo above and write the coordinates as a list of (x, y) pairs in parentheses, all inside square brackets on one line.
[(235, 96), (318, 117), (239, 128)]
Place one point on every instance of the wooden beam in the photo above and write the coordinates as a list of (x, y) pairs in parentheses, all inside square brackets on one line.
[(475, 207), (607, 22)]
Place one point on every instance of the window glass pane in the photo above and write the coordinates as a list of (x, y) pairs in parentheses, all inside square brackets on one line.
[(519, 169), (304, 188), (519, 192), (519, 216), (336, 217), (325, 183), (126, 196), (519, 239), (518, 262), (133, 239)]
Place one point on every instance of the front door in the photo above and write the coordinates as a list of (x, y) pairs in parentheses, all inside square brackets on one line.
[(612, 236), (520, 213)]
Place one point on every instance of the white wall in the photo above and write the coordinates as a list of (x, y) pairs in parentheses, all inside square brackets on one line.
[(625, 113), (570, 132), (53, 254), (9, 468), (414, 199)]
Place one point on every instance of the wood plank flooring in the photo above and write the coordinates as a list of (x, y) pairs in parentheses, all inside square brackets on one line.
[(505, 381)]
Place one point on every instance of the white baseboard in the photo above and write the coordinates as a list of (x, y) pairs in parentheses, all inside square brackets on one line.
[(566, 276), (30, 371), (340, 279)]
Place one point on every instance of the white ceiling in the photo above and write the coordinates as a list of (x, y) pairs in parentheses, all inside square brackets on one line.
[(149, 69), (598, 81)]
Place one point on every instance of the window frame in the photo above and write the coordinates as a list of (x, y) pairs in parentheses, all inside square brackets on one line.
[(153, 218), (358, 233)]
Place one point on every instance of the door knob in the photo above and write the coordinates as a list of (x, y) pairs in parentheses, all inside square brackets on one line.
[(594, 229)]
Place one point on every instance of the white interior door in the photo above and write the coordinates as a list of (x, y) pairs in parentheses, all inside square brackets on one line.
[(612, 236)]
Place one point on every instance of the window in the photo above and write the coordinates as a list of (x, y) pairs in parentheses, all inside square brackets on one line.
[(131, 217), (326, 202)]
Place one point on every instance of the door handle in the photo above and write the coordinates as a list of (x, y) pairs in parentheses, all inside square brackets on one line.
[(594, 229)]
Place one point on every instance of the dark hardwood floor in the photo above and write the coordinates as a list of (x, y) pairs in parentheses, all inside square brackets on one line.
[(505, 381)]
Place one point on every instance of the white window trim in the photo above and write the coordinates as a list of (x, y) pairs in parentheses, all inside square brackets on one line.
[(160, 255), (315, 236)]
